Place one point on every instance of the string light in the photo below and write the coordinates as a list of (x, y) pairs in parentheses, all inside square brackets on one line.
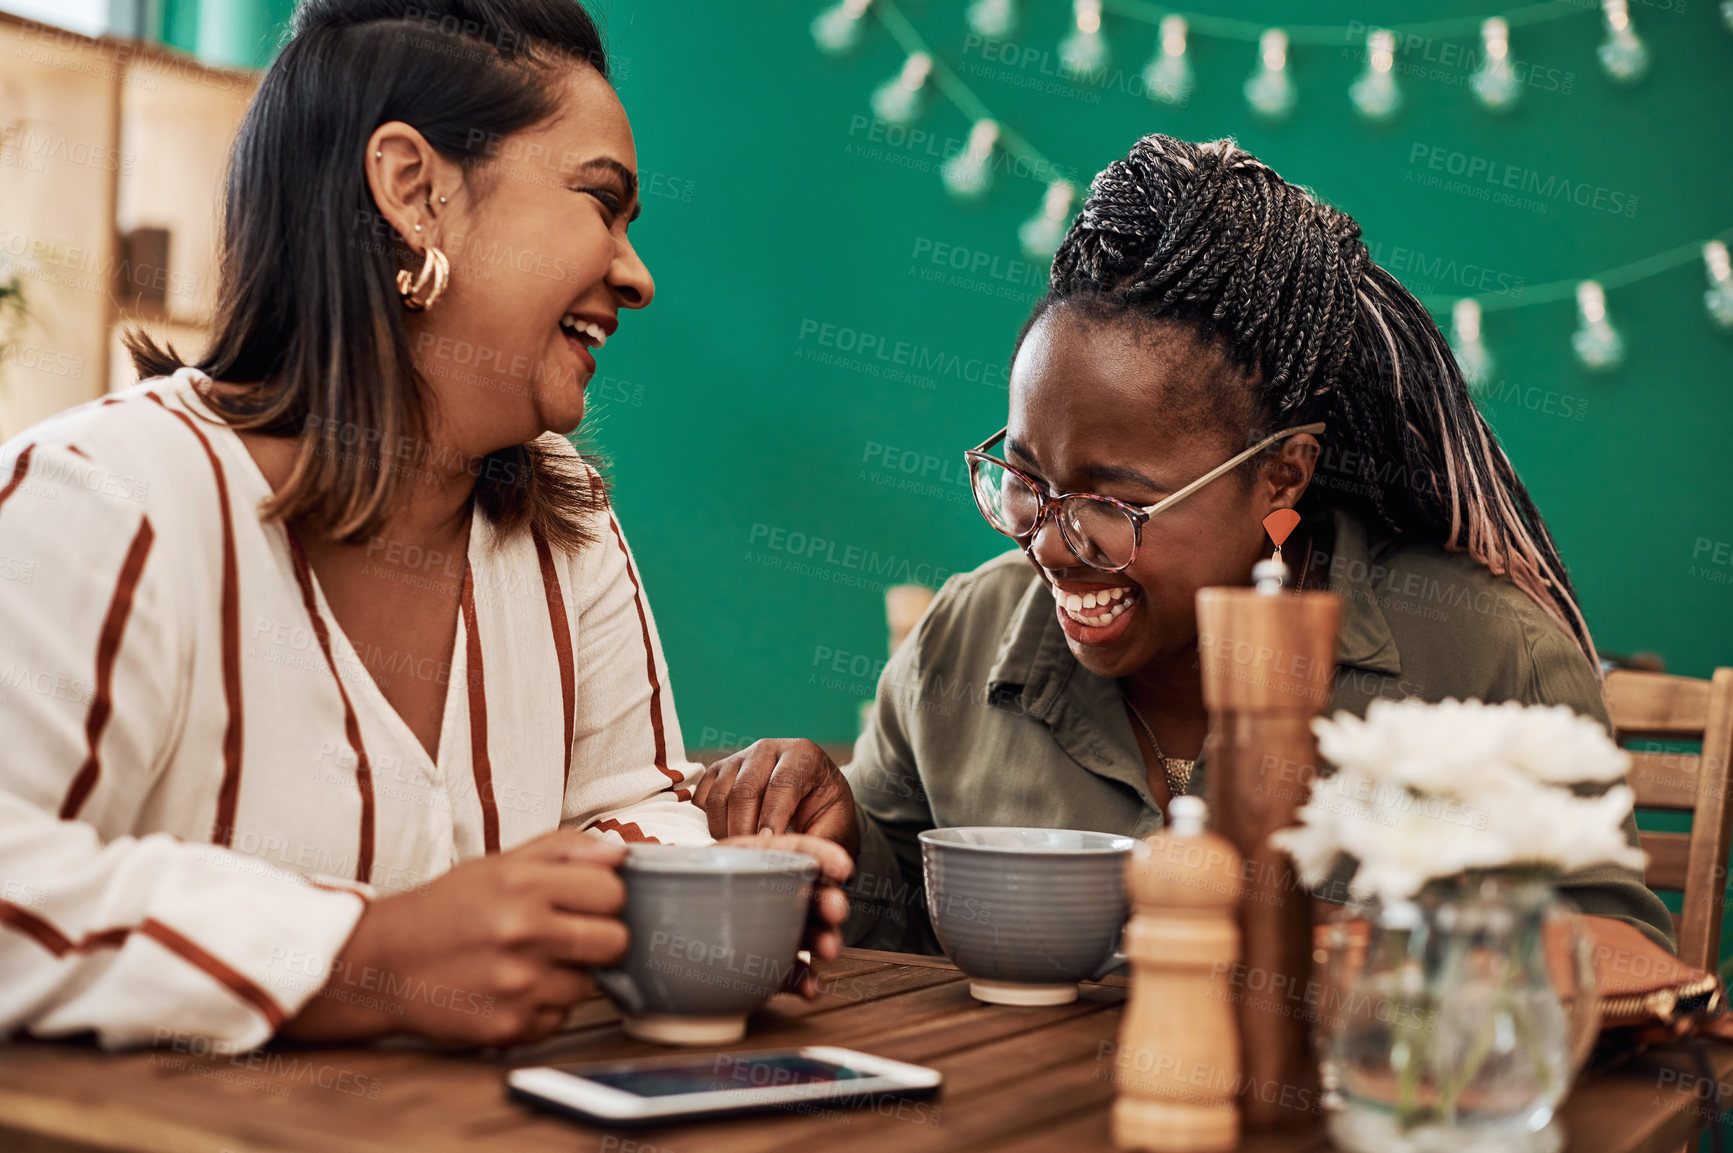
[(1084, 51), (1622, 55), (1597, 344), (1471, 355), (969, 174), (1494, 84), (836, 30), (1168, 76), (1270, 91), (995, 19), (1040, 234), (1719, 298), (902, 98), (1375, 94)]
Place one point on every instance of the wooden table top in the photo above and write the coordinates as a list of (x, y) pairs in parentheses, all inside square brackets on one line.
[(1017, 1080)]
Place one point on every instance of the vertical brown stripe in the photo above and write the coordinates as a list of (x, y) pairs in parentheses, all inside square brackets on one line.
[(19, 468), (351, 723), (482, 767), (229, 795), (562, 642), (107, 647), (649, 667), (217, 970)]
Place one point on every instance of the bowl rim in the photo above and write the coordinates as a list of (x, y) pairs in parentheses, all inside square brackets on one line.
[(933, 837), (746, 862)]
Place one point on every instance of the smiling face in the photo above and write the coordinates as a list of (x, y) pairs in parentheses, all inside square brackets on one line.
[(541, 267), (1137, 411)]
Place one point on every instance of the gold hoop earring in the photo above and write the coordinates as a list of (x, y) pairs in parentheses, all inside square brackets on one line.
[(435, 268)]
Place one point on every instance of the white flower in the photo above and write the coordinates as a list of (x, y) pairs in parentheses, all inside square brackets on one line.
[(1427, 791)]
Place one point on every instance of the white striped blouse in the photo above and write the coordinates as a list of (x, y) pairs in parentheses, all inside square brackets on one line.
[(201, 782)]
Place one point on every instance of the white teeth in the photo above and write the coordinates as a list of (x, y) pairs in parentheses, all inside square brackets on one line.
[(1076, 606), (580, 327)]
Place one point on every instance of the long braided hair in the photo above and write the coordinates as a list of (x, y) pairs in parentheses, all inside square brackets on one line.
[(1209, 236)]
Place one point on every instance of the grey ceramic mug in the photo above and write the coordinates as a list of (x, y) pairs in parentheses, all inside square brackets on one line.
[(714, 930), (1027, 913)]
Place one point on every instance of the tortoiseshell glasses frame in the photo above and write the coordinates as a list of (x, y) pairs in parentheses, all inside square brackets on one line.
[(1101, 530)]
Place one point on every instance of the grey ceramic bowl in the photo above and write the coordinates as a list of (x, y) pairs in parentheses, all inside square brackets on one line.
[(1026, 913), (714, 931)]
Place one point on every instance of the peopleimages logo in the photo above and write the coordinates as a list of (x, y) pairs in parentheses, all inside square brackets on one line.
[(1487, 178)]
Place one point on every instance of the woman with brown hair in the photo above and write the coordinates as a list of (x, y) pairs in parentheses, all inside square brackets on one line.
[(338, 607)]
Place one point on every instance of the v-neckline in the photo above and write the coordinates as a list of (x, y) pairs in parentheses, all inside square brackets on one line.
[(344, 654)]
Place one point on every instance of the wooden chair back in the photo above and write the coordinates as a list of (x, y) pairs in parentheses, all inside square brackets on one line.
[(1659, 707)]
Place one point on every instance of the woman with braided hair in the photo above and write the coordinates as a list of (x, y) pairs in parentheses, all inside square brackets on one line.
[(1216, 345)]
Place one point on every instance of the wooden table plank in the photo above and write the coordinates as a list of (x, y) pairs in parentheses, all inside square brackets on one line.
[(1017, 1079), (1041, 1040)]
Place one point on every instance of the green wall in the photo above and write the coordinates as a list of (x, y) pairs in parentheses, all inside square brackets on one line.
[(780, 231), (727, 426)]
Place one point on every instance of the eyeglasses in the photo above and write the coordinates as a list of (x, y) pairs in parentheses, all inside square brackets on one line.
[(1104, 532)]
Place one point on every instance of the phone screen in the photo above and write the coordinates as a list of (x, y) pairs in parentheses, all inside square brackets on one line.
[(715, 1073)]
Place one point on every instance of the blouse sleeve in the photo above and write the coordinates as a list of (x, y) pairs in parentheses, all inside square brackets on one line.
[(135, 938), (630, 776)]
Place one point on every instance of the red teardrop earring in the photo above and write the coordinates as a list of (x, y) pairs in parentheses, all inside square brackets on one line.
[(1280, 524)]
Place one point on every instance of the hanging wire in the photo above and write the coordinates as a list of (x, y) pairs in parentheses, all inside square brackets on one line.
[(952, 87), (1557, 290), (1229, 28)]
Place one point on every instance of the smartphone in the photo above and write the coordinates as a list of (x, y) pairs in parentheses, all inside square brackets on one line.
[(660, 1090)]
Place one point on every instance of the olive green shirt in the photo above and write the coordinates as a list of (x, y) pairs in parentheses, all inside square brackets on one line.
[(983, 716)]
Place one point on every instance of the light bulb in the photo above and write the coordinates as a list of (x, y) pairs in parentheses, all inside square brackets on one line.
[(1622, 55), (1493, 83), (836, 30), (1719, 298), (1040, 234), (994, 19), (1270, 91), (1471, 355), (969, 174), (1084, 51), (1168, 76), (902, 98), (1597, 344), (1375, 94)]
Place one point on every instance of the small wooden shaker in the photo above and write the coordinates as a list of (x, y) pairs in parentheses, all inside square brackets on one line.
[(1177, 1066)]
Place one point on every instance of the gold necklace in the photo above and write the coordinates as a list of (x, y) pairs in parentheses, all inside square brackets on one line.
[(1177, 770)]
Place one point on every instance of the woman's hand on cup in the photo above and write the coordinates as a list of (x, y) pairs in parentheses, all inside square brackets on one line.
[(829, 906), (493, 952), (782, 785)]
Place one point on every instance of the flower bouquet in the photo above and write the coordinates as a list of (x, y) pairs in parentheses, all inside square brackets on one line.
[(1458, 818)]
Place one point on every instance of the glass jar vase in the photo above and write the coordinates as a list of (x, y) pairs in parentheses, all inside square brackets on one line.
[(1454, 1022)]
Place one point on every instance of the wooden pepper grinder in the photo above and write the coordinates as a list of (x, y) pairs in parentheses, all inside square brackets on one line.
[(1178, 1062), (1268, 662)]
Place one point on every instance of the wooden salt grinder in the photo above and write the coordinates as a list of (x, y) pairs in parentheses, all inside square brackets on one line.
[(1268, 662), (1178, 1062)]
